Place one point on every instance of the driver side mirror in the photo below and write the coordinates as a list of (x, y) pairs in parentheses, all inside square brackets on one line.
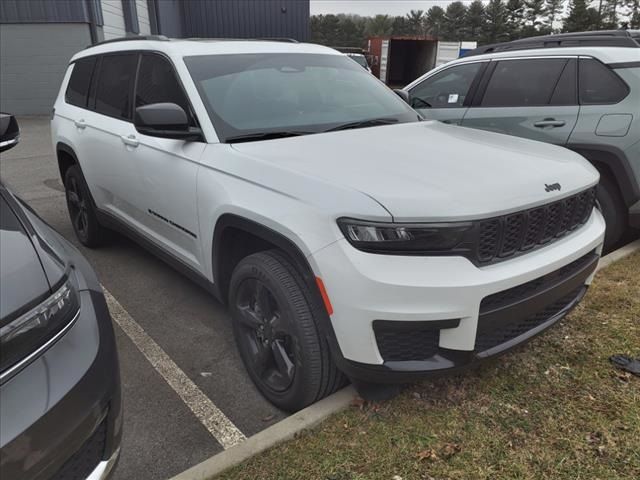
[(165, 120), (404, 95), (9, 132)]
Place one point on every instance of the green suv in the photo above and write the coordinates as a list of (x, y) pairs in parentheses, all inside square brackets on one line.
[(578, 90)]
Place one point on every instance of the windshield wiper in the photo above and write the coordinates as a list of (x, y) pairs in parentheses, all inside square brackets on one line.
[(252, 137), (373, 122)]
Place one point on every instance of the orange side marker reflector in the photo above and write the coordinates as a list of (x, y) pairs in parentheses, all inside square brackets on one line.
[(325, 297)]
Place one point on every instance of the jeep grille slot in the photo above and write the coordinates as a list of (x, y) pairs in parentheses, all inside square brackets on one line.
[(504, 237)]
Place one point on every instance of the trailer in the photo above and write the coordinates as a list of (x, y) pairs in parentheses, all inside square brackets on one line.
[(398, 60)]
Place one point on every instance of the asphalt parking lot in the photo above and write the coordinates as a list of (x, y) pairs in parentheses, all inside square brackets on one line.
[(186, 394)]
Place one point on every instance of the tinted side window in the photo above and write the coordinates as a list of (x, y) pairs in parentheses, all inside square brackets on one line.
[(157, 83), (78, 86), (567, 87), (598, 84), (447, 89), (523, 83), (115, 85)]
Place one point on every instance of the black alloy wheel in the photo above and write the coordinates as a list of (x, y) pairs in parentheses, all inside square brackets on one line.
[(276, 325), (81, 211), (266, 335), (77, 205)]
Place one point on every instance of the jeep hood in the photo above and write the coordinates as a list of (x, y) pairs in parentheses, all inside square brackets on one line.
[(429, 171)]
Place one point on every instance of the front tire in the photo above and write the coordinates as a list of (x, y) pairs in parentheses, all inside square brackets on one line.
[(276, 327), (81, 212)]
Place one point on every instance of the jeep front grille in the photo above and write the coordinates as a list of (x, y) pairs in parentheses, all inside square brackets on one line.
[(511, 235)]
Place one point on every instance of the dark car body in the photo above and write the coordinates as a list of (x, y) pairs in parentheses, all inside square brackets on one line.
[(60, 402)]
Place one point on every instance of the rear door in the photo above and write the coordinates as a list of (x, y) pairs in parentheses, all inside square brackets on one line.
[(446, 94), (107, 145), (534, 98), (69, 123)]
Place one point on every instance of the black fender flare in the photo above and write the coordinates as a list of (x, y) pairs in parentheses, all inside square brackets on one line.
[(290, 249), (63, 147), (263, 232), (618, 164)]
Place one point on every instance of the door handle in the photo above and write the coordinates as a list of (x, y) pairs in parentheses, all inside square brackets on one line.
[(81, 124), (550, 122), (130, 140)]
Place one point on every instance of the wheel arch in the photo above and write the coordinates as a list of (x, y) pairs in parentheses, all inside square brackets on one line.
[(235, 237), (66, 157), (223, 263), (613, 162)]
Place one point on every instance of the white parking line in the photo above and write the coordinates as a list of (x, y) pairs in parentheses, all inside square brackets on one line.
[(216, 422)]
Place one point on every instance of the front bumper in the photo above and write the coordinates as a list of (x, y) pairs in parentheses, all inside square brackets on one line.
[(370, 293), (62, 412)]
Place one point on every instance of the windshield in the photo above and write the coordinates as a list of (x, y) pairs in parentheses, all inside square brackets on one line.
[(360, 59), (298, 93)]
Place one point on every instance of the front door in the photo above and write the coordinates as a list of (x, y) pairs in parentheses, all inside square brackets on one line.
[(166, 169), (444, 95)]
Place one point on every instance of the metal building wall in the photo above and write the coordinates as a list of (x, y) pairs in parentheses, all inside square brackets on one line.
[(246, 18), (48, 11), (33, 60), (114, 24)]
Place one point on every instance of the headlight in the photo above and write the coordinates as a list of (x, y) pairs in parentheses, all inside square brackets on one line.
[(29, 332), (405, 238)]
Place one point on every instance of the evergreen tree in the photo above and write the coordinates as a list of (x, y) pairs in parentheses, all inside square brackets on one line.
[(474, 20), (634, 13), (454, 22), (350, 31), (581, 18), (495, 25), (415, 19), (514, 15), (325, 30), (553, 12), (434, 21), (379, 26), (611, 14), (534, 9), (401, 26)]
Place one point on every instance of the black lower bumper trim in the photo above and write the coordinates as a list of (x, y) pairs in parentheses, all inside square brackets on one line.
[(503, 329)]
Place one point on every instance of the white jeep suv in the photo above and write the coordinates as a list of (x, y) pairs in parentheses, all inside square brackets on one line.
[(346, 235)]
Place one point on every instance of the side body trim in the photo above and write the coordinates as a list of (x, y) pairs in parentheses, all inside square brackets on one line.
[(108, 220)]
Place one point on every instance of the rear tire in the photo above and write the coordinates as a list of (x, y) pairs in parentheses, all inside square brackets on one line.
[(81, 211), (276, 327), (613, 210)]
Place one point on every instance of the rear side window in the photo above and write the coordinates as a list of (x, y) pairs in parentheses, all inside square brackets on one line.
[(523, 83), (79, 82), (598, 84), (115, 85), (158, 83)]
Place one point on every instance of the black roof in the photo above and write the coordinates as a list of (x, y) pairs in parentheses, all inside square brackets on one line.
[(601, 38)]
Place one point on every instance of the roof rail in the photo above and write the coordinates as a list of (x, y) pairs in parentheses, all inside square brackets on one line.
[(604, 38), (278, 39), (223, 39), (159, 38)]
